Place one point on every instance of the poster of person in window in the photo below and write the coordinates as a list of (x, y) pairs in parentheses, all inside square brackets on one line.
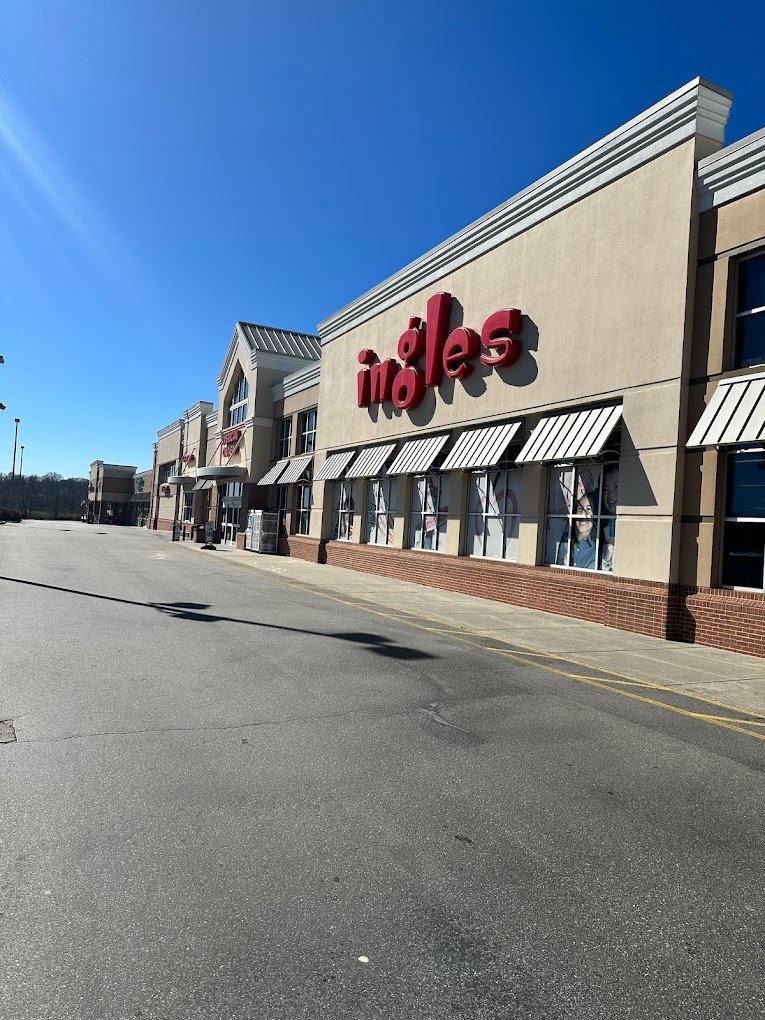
[(581, 519)]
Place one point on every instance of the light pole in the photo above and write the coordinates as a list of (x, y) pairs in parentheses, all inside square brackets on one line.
[(13, 471), (21, 480)]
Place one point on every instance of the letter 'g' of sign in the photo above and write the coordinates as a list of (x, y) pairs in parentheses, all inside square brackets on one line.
[(495, 336)]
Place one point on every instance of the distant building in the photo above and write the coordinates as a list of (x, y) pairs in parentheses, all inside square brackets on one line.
[(117, 494)]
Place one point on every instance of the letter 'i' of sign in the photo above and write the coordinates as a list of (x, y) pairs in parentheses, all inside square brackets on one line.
[(363, 384), (502, 347)]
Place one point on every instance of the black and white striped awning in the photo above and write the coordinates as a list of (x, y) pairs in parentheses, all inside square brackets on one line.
[(296, 469), (734, 415), (417, 456), (272, 476), (334, 466), (370, 461), (479, 448), (570, 436)]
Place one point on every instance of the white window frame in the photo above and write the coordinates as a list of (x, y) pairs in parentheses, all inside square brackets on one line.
[(746, 313), (505, 469), (598, 518), (306, 437), (384, 489), (240, 398), (344, 510), (423, 514), (726, 519)]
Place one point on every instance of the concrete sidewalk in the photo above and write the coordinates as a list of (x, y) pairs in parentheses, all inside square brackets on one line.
[(728, 677)]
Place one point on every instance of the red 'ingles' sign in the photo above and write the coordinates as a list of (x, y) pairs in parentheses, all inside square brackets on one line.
[(230, 442), (444, 353)]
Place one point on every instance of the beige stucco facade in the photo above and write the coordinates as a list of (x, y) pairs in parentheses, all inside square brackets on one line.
[(602, 286)]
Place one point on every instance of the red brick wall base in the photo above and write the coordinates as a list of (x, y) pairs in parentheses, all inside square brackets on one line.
[(163, 525), (303, 548), (722, 619)]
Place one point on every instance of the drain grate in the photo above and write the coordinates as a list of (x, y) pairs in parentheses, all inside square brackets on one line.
[(7, 732)]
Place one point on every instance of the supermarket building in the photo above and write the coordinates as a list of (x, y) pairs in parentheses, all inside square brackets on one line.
[(563, 405)]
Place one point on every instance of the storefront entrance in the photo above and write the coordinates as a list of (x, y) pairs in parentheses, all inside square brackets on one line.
[(230, 521)]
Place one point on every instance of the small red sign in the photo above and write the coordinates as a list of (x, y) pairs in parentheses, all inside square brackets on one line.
[(230, 442)]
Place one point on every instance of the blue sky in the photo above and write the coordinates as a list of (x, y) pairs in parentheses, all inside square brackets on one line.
[(167, 168)]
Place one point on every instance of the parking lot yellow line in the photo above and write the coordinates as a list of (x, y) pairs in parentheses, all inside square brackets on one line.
[(736, 725)]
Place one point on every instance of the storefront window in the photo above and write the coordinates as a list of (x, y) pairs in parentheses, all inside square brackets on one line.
[(282, 504), (285, 438), (165, 471), (428, 510), (188, 507), (581, 515), (743, 563), (306, 437), (750, 313), (304, 503), (342, 521), (493, 514), (381, 505)]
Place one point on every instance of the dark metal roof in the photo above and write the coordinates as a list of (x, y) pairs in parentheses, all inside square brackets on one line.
[(281, 341)]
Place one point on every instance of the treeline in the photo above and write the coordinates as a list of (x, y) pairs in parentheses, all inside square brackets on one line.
[(49, 495)]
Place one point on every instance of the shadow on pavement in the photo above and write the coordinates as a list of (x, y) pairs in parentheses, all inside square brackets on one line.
[(192, 611)]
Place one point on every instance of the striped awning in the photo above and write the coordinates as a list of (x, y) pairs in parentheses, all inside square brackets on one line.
[(296, 469), (370, 461), (203, 484), (274, 473), (735, 414), (334, 466), (417, 455), (569, 436), (478, 448)]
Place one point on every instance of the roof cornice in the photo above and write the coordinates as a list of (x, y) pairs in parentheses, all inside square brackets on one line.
[(699, 108), (733, 172), (197, 410), (297, 382), (168, 430)]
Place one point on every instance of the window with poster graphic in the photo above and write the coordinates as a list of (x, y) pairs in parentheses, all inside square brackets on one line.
[(428, 511), (743, 551), (493, 513), (344, 510), (381, 508), (580, 529)]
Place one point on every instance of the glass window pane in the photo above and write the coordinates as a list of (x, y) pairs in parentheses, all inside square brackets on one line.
[(495, 492), (418, 495), (494, 537), (560, 497), (443, 501), (477, 493), (610, 495), (587, 489), (415, 532), (474, 539), (607, 545), (751, 284), (512, 523), (750, 340), (743, 555), (556, 541), (746, 485)]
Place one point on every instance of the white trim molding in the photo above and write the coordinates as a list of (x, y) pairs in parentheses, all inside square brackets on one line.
[(192, 413), (699, 108), (733, 172), (298, 381), (168, 430)]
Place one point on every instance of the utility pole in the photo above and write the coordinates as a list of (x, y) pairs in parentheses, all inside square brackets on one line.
[(13, 472)]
